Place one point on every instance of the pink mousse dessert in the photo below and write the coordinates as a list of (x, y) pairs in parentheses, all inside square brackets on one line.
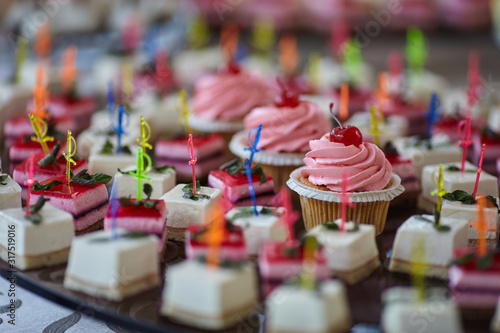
[(232, 247), (233, 184), (42, 172), (404, 168), (280, 261), (87, 203), (475, 284), (23, 147), (80, 109), (491, 153), (208, 149)]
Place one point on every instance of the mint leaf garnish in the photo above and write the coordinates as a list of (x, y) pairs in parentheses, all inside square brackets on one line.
[(107, 149), (189, 193), (3, 178), (83, 178), (37, 187), (35, 216), (51, 157), (235, 166)]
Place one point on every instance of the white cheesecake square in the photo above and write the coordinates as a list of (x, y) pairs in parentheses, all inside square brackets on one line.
[(183, 212), (349, 250), (456, 180), (162, 182), (290, 308), (112, 269), (258, 229), (391, 128), (460, 211), (36, 245), (110, 163), (438, 245), (403, 313), (209, 297), (10, 193), (442, 151)]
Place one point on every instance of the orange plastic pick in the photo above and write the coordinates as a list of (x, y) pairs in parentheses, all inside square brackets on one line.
[(229, 40), (344, 102), (69, 69), (40, 96), (215, 234), (43, 41), (382, 94), (481, 227), (288, 53)]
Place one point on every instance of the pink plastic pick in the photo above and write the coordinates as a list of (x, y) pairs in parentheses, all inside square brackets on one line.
[(289, 217), (395, 63), (29, 183), (479, 171), (474, 80), (193, 160), (340, 34), (465, 142), (345, 200)]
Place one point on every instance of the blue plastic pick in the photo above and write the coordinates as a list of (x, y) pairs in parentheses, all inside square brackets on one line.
[(253, 145), (114, 210), (111, 101), (248, 170), (431, 117), (120, 128)]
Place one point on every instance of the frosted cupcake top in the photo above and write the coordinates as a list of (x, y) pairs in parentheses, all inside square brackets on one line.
[(288, 128), (229, 96), (366, 165)]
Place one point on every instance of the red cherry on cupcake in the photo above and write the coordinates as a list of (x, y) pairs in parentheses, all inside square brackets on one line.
[(286, 98), (348, 135), (232, 67)]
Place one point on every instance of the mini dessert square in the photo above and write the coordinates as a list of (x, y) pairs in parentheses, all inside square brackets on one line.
[(475, 280), (492, 151), (45, 167), (352, 254), (290, 308), (439, 149), (223, 294), (10, 192), (37, 244), (403, 313), (233, 183), (258, 228), (162, 181), (110, 268), (104, 159), (233, 246), (454, 179), (440, 241), (186, 208), (209, 149), (468, 212), (281, 261), (404, 168), (390, 128), (23, 147), (87, 203), (80, 108)]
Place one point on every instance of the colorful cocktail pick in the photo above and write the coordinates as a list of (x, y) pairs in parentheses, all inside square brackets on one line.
[(395, 64), (111, 101), (382, 95), (29, 182), (289, 216), (248, 170), (114, 205), (464, 128), (344, 102), (341, 32), (145, 135), (21, 55), (309, 264), (418, 267), (184, 110), (352, 60), (127, 80), (345, 200), (253, 145), (215, 234), (68, 74), (481, 227), (314, 70), (374, 129), (68, 155), (40, 128), (229, 36), (193, 160), (140, 170), (431, 117), (416, 51), (132, 33), (40, 96), (479, 171), (43, 41), (289, 58), (263, 37), (440, 192), (120, 127), (198, 33), (474, 81)]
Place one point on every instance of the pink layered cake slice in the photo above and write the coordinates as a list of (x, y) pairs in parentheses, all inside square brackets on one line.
[(492, 151), (45, 168), (415, 113), (474, 280), (147, 216), (87, 200), (23, 147), (404, 168), (233, 183), (232, 248), (448, 125), (80, 109), (280, 261), (208, 149)]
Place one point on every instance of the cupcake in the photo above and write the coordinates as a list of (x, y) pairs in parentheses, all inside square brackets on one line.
[(371, 183), (221, 101), (287, 127)]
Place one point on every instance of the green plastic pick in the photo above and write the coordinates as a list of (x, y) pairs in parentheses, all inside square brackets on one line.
[(198, 34), (416, 50), (21, 55), (352, 60), (263, 37)]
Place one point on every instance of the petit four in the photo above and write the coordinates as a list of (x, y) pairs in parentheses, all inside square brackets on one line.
[(106, 159), (10, 192), (162, 180), (113, 269), (492, 141)]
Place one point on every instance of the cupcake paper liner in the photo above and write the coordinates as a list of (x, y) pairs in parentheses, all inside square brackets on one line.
[(211, 126), (240, 141)]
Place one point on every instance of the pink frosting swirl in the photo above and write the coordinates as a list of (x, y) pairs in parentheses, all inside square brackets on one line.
[(366, 165), (228, 96), (288, 129)]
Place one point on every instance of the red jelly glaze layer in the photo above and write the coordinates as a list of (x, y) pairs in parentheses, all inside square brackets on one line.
[(471, 266), (62, 191), (139, 211), (395, 159), (490, 141), (235, 180), (24, 143), (232, 237), (52, 169)]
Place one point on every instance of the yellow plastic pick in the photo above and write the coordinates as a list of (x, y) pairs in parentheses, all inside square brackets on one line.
[(40, 128), (308, 275), (481, 227), (127, 78), (141, 171), (197, 34), (314, 69), (375, 130), (418, 267), (21, 55), (145, 135), (184, 110), (68, 155), (263, 34), (440, 192)]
